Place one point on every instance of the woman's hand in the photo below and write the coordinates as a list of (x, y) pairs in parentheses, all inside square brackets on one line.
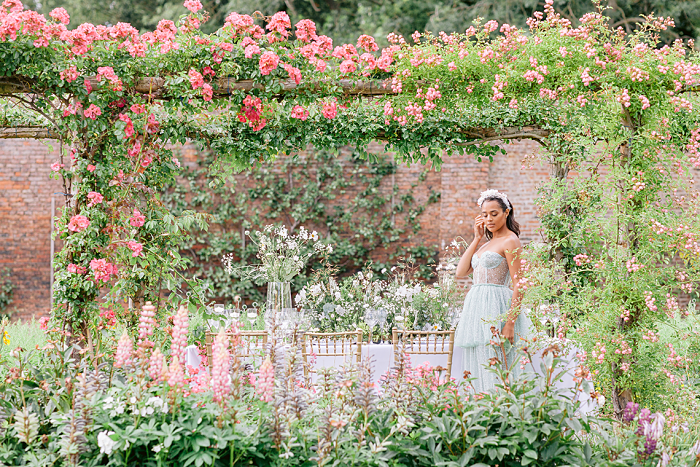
[(478, 227), (508, 331)]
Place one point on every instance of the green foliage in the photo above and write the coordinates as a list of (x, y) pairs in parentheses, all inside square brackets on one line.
[(349, 201), (6, 289)]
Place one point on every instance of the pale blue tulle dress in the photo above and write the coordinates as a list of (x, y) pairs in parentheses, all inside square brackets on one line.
[(486, 305)]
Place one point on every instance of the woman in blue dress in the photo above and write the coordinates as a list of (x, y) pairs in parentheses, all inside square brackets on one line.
[(490, 301)]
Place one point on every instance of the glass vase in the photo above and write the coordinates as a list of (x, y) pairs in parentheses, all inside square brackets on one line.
[(279, 303)]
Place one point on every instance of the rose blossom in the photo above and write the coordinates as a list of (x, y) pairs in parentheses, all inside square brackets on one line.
[(95, 198), (193, 5), (102, 269), (70, 74), (138, 219), (135, 247), (60, 15), (268, 62), (56, 166), (300, 112), (91, 168), (330, 110), (78, 223), (93, 112), (75, 269)]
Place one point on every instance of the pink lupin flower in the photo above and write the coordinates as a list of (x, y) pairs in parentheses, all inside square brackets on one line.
[(176, 377), (265, 383), (146, 325), (179, 337), (220, 381), (124, 351), (157, 366)]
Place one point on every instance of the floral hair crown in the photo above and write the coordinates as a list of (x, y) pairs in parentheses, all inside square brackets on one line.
[(489, 194)]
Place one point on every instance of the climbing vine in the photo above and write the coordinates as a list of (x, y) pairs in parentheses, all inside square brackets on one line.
[(350, 201)]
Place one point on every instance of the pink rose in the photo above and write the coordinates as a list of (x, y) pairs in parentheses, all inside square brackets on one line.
[(293, 72), (348, 66), (93, 112), (306, 30), (91, 168), (329, 110), (138, 219), (368, 43), (56, 166), (60, 15), (268, 62), (138, 108), (43, 323), (70, 74), (95, 198), (193, 5), (176, 162), (207, 92), (75, 269), (88, 85), (102, 269), (196, 78), (280, 22), (251, 50), (78, 223), (135, 247), (300, 112)]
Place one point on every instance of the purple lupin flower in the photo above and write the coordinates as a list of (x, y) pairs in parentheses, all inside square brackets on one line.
[(644, 417), (630, 412)]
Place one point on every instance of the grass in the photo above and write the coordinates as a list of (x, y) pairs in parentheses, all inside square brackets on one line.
[(25, 334)]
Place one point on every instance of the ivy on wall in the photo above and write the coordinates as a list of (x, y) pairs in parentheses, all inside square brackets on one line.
[(350, 201)]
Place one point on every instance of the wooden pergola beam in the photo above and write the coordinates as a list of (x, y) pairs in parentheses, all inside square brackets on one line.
[(156, 86)]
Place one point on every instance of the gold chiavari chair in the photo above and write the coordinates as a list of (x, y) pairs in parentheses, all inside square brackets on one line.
[(252, 344), (426, 343), (331, 344)]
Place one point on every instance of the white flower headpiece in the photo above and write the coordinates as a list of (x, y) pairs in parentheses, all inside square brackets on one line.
[(493, 194)]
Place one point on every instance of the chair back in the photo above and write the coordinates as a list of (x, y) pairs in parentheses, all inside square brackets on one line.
[(331, 344), (426, 343), (252, 344)]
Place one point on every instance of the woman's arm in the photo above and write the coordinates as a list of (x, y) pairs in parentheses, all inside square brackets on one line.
[(464, 267), (513, 250)]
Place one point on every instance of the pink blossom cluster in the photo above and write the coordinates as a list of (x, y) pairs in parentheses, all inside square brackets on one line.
[(103, 269), (581, 259), (329, 109), (299, 112), (497, 88), (179, 334), (197, 81), (108, 73), (637, 74), (94, 198), (548, 93), (135, 247), (78, 223), (265, 382), (193, 5), (279, 23), (581, 100), (651, 336), (56, 166), (176, 374), (108, 315), (137, 219), (676, 360), (124, 351), (625, 315), (587, 78), (70, 74), (533, 75), (633, 265), (129, 125), (645, 102), (268, 62), (681, 103), (92, 112), (672, 306), (293, 72), (649, 301), (624, 98), (147, 323), (157, 367), (220, 380), (75, 269), (598, 353), (251, 113)]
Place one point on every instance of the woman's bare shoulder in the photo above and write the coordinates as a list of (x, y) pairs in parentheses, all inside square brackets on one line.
[(512, 243)]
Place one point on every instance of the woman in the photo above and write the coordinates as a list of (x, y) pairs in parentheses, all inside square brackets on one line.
[(496, 265)]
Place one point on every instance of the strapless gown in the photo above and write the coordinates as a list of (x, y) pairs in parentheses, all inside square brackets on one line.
[(486, 305)]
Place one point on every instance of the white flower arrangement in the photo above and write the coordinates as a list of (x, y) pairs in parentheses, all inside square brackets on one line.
[(282, 255)]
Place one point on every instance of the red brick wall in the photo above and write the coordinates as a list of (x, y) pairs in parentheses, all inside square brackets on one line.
[(25, 222), (26, 190)]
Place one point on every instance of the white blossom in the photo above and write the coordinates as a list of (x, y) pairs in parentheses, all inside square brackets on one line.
[(105, 442)]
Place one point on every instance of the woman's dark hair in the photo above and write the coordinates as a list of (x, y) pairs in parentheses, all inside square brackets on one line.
[(511, 223)]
